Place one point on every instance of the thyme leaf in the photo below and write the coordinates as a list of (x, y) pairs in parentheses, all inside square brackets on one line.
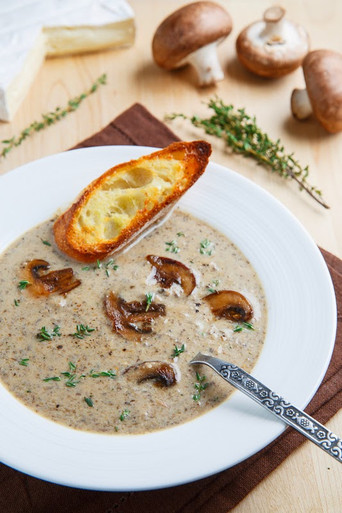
[(23, 284), (199, 386), (243, 325), (106, 374), (44, 334), (242, 134), (124, 415), (149, 299), (82, 331), (206, 247), (50, 118), (172, 246), (178, 350), (89, 401)]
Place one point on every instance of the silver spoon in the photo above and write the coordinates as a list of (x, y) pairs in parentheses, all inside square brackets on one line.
[(276, 404)]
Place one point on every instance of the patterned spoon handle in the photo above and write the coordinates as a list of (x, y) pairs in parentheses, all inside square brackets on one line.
[(277, 405)]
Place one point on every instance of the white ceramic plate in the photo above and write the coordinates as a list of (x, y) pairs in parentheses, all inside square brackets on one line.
[(298, 347)]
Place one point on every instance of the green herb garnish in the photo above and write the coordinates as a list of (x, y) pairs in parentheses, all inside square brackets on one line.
[(111, 263), (82, 331), (85, 268), (89, 401), (216, 284), (180, 234), (24, 362), (16, 302), (54, 378), (102, 374), (124, 415), (242, 134), (46, 242), (149, 299), (206, 247), (45, 334), (72, 366), (199, 386), (172, 247), (50, 118), (72, 378), (243, 325), (23, 284), (178, 350)]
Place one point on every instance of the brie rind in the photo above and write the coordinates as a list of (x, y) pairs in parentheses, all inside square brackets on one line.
[(31, 30)]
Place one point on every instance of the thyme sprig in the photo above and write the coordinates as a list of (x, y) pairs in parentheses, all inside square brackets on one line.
[(242, 134), (199, 386), (50, 118)]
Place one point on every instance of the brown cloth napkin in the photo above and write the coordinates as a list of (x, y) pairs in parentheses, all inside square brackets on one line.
[(219, 493)]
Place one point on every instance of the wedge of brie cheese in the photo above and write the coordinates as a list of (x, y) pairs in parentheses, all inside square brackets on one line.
[(31, 30)]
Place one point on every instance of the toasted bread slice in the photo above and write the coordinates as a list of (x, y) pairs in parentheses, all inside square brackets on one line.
[(126, 200)]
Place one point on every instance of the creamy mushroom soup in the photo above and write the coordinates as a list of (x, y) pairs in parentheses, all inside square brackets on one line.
[(112, 354)]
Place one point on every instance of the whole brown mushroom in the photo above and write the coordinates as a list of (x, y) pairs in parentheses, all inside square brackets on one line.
[(273, 46), (190, 35), (323, 94)]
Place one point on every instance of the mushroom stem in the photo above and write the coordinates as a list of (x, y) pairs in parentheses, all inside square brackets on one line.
[(206, 63), (300, 104), (274, 25)]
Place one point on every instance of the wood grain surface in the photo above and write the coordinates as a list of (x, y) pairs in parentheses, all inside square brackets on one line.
[(308, 481)]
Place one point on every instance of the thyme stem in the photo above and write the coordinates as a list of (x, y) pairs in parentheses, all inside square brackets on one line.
[(242, 134), (50, 118)]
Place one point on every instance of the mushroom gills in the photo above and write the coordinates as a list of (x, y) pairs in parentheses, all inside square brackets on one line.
[(131, 320), (273, 46), (162, 373), (169, 271), (231, 305)]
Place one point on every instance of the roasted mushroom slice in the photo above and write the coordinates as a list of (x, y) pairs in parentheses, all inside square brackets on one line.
[(54, 282), (231, 305), (169, 271), (162, 373), (126, 316)]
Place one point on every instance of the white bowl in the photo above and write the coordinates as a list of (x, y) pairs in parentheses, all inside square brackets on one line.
[(297, 350)]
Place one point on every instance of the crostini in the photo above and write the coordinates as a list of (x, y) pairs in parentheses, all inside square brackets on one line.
[(128, 199)]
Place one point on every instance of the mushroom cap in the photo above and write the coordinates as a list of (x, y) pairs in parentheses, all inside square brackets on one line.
[(268, 55), (186, 30), (323, 76)]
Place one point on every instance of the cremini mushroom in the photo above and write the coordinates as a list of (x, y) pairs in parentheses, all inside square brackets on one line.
[(190, 35), (169, 271), (162, 373), (323, 94), (43, 284), (231, 305), (274, 46), (131, 320)]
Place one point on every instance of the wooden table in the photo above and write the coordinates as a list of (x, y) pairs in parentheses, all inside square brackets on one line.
[(308, 481)]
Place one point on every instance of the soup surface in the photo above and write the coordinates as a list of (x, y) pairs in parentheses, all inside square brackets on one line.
[(61, 357)]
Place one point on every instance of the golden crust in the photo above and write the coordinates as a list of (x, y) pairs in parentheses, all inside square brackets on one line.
[(121, 204)]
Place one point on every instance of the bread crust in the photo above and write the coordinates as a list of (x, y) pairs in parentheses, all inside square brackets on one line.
[(191, 159)]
